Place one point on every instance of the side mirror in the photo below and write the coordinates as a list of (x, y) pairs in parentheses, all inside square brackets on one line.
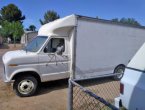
[(60, 50), (45, 50)]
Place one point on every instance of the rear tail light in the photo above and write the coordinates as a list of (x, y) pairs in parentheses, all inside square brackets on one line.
[(121, 88)]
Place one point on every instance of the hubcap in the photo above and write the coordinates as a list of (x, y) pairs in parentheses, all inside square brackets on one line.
[(120, 71), (25, 86)]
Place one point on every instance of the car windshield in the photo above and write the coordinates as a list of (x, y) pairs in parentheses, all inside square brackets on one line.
[(36, 44)]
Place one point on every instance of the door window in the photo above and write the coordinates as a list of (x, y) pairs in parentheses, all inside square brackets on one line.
[(55, 45)]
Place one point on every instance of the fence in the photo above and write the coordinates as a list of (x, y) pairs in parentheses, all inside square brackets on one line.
[(95, 94)]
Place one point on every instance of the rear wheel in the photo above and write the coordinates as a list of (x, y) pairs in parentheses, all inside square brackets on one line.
[(25, 86), (119, 72)]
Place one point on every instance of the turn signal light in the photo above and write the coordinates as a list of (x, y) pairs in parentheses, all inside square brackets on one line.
[(13, 65)]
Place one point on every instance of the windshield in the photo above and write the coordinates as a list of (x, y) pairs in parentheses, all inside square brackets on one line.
[(36, 44)]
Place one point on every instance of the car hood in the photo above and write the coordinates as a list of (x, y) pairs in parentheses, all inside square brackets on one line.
[(17, 54)]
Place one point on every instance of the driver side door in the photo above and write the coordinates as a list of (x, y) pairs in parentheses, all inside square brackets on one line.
[(51, 65)]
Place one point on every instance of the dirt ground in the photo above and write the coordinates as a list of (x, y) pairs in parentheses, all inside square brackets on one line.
[(51, 95)]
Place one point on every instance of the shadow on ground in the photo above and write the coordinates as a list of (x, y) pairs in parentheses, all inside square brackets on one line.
[(47, 87), (62, 84), (95, 81)]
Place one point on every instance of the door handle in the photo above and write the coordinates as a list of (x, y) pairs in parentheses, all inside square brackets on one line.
[(46, 64)]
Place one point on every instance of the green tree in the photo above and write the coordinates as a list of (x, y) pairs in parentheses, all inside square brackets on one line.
[(17, 31), (0, 21), (115, 20), (11, 13), (97, 17), (31, 28), (49, 16), (12, 29), (11, 19), (6, 30), (130, 21)]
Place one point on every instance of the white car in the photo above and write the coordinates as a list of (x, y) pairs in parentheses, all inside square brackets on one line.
[(132, 86)]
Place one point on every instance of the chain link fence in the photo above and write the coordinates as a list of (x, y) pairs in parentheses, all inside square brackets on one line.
[(94, 94)]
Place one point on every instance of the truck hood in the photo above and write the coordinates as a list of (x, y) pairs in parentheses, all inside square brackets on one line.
[(18, 54)]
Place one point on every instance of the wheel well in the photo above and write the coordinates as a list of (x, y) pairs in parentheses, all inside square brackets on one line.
[(119, 65), (27, 73)]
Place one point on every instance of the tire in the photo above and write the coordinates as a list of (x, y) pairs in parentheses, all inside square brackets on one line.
[(119, 69), (25, 86)]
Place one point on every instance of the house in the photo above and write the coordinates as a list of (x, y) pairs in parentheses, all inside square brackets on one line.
[(28, 36)]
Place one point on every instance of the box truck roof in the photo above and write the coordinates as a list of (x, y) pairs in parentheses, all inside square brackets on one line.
[(138, 61), (59, 27)]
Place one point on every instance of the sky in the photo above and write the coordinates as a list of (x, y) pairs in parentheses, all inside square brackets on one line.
[(104, 9)]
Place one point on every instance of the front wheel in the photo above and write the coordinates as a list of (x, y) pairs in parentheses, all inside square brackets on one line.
[(25, 86), (119, 72)]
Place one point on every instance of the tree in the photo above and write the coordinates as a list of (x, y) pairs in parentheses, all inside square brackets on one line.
[(11, 13), (97, 17), (17, 31), (31, 28), (115, 20), (12, 29), (49, 16), (0, 21), (130, 21), (6, 30), (11, 19)]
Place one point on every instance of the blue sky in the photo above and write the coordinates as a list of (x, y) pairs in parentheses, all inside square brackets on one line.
[(105, 9)]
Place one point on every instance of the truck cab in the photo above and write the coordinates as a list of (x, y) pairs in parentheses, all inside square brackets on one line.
[(132, 88), (45, 58)]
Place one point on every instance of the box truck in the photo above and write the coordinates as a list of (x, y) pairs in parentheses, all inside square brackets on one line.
[(76, 46)]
